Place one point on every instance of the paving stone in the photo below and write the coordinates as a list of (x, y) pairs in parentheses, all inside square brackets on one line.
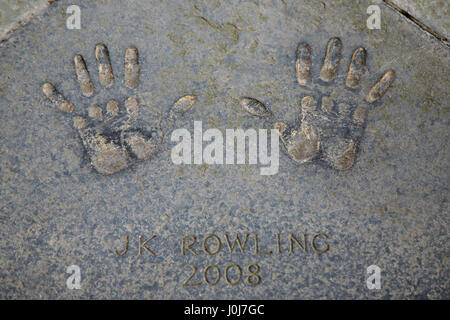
[(13, 13), (434, 14), (389, 209)]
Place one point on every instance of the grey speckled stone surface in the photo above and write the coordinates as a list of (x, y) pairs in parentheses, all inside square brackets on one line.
[(434, 14), (390, 209), (13, 13)]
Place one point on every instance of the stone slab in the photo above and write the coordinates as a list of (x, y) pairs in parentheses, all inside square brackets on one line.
[(390, 209), (434, 14), (14, 13)]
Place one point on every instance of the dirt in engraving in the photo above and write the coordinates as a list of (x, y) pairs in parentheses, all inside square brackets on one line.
[(328, 129), (115, 138)]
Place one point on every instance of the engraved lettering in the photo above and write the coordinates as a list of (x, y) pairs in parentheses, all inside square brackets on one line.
[(257, 251), (126, 247), (227, 276), (313, 243), (253, 278), (218, 245), (237, 241), (194, 271), (205, 274), (144, 245), (279, 243), (188, 246), (293, 239)]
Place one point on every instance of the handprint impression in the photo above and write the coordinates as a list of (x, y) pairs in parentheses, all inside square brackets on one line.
[(331, 132), (118, 139)]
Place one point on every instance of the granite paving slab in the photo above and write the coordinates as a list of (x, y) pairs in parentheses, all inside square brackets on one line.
[(153, 229)]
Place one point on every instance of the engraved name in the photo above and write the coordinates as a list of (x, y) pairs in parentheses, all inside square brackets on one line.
[(248, 243)]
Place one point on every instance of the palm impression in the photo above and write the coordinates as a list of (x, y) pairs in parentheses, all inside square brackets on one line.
[(117, 138), (327, 130)]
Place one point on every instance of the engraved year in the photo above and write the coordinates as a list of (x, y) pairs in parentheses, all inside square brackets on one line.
[(232, 273)]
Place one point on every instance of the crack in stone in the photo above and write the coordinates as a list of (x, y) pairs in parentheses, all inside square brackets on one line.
[(416, 21)]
